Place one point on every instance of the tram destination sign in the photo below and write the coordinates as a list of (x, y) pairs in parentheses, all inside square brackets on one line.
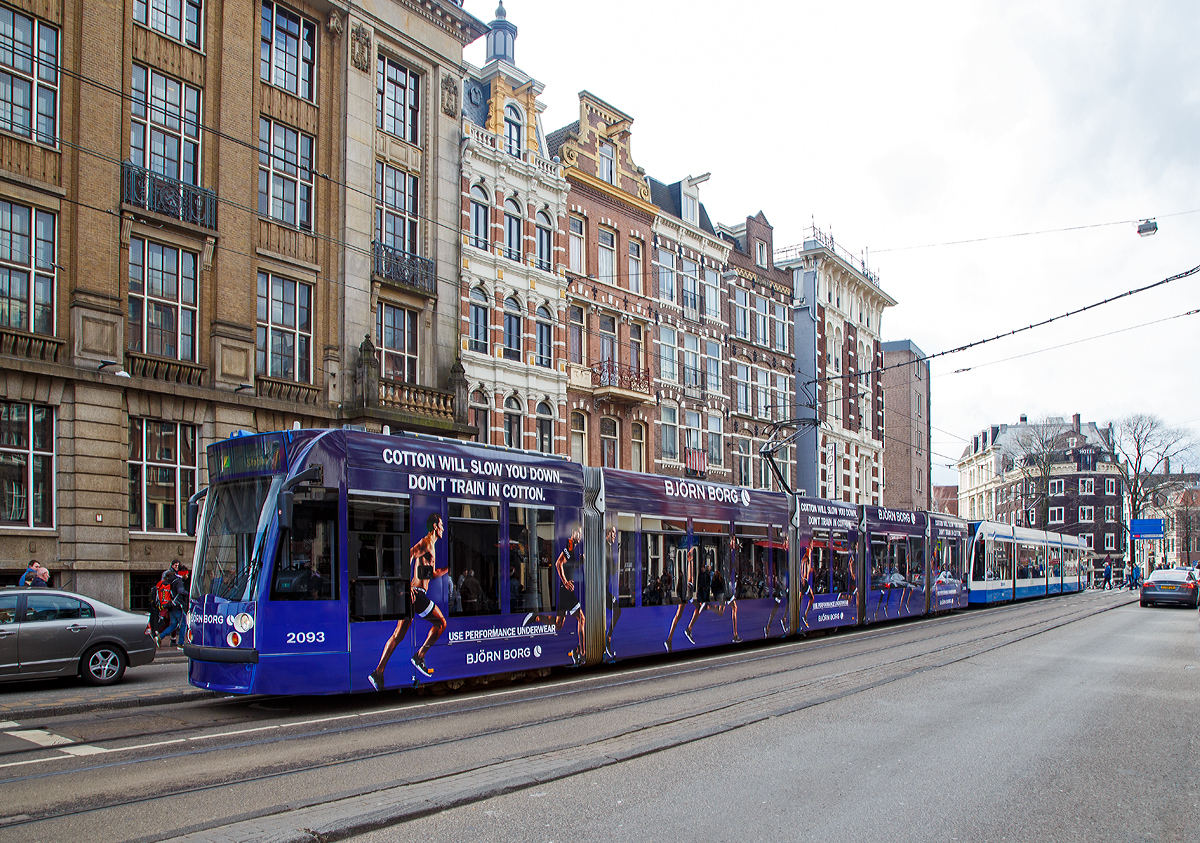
[(246, 455)]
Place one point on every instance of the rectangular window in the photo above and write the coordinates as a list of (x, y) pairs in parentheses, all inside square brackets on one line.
[(742, 397), (289, 51), (164, 129), (711, 294), (712, 375), (635, 266), (743, 463), (27, 268), (1110, 513), (575, 254), (285, 174), (1087, 486), (741, 314), (764, 394), (608, 162), (606, 258), (478, 339), (284, 334), (396, 335), (162, 300), (28, 77), (178, 19), (666, 354), (762, 332), (670, 433), (1056, 515), (1056, 487), (397, 100), (543, 351), (1110, 541), (1110, 485), (1087, 513), (162, 475), (690, 208), (26, 465), (689, 284), (575, 349), (531, 556), (1087, 540), (760, 253), (918, 398), (476, 531), (781, 328), (378, 552), (716, 442), (636, 356), (396, 209), (781, 397), (666, 274)]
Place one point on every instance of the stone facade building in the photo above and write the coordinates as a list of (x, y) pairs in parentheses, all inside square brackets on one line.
[(906, 457), (839, 320), (207, 209)]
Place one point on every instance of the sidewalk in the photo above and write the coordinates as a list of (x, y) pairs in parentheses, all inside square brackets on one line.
[(160, 682)]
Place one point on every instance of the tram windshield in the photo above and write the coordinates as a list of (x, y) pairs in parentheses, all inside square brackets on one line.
[(236, 516)]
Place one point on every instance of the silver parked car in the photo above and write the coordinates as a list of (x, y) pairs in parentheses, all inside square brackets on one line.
[(45, 632)]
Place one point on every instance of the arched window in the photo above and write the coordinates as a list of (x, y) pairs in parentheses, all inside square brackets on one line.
[(478, 339), (544, 227), (512, 422), (512, 329), (479, 218), (609, 452), (480, 416), (579, 438), (512, 130), (637, 446), (545, 333), (512, 229), (545, 428)]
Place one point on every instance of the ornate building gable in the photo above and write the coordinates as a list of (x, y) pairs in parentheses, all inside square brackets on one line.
[(597, 151)]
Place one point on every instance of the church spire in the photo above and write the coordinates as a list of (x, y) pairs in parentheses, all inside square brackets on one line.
[(500, 38)]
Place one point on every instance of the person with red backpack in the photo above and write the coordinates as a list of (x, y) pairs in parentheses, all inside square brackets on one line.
[(160, 608), (177, 586)]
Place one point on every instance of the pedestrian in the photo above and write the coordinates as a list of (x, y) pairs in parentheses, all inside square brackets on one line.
[(30, 574), (42, 579), (1107, 572), (176, 608)]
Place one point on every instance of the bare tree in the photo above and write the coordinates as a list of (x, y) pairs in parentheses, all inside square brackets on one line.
[(1144, 446), (1035, 450)]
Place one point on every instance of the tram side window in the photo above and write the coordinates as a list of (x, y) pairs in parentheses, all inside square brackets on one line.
[(819, 563), (379, 545), (1001, 567), (475, 554), (916, 562), (712, 560), (621, 551), (1027, 561), (663, 556), (305, 569), (530, 560), (750, 560)]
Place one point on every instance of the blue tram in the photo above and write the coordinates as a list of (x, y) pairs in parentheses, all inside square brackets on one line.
[(1014, 563), (330, 561)]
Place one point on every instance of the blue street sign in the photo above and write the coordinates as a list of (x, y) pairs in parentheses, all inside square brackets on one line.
[(1146, 528)]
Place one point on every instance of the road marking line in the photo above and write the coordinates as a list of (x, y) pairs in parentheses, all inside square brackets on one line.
[(83, 749), (40, 737), (9, 724)]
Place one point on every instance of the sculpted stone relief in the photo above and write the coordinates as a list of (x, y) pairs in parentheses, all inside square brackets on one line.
[(360, 48)]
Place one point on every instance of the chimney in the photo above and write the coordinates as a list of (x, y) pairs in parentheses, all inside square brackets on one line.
[(1075, 422), (1024, 419)]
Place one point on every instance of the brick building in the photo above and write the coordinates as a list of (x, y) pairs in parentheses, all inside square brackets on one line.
[(906, 457)]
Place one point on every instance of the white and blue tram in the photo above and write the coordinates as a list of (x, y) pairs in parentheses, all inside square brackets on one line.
[(1015, 563)]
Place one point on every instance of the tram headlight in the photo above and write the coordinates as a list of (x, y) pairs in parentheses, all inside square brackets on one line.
[(234, 639), (243, 622)]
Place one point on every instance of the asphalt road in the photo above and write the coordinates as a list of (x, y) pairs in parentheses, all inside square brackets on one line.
[(1061, 719), (1084, 734)]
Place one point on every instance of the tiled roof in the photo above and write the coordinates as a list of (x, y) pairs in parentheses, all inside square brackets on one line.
[(556, 139)]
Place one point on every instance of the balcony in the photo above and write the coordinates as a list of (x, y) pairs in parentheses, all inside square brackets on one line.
[(621, 384), (398, 267), (285, 390), (14, 343), (162, 369), (414, 400), (167, 196)]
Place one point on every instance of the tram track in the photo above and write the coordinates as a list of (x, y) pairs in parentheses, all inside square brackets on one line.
[(982, 633), (766, 653)]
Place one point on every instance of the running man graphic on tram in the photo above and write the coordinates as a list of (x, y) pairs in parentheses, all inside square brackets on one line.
[(422, 559), (613, 553), (569, 560)]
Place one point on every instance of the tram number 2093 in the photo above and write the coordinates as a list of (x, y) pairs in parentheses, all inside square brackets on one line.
[(305, 637)]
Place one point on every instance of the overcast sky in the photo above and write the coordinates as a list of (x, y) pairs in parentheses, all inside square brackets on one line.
[(895, 126)]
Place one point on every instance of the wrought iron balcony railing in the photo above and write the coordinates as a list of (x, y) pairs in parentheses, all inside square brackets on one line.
[(610, 373), (399, 267), (167, 196)]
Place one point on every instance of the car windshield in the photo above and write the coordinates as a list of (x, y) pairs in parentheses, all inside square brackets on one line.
[(234, 528)]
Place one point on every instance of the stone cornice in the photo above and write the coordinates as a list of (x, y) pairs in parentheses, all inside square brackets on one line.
[(601, 186)]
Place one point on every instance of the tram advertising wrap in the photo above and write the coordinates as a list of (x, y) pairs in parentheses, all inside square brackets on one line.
[(330, 561)]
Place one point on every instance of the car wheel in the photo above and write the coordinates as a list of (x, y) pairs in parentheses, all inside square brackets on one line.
[(103, 665), (1143, 603)]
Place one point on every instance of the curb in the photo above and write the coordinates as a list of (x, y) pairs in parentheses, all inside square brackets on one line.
[(105, 705)]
